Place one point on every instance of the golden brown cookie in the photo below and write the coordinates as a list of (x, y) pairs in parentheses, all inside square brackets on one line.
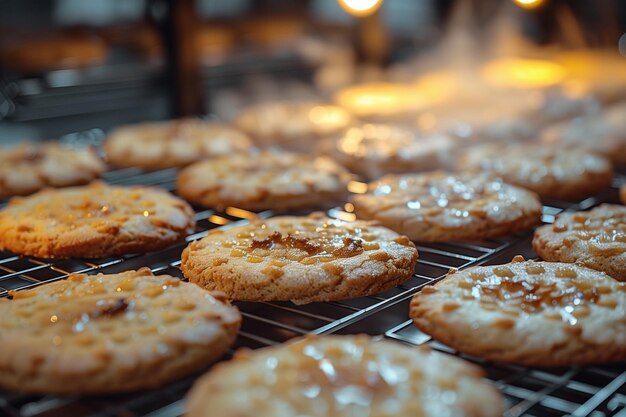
[(438, 206), (94, 221), (594, 238), (267, 180), (372, 150), (553, 173), (343, 376), (111, 333), (529, 313), (292, 126), (30, 167), (302, 259), (174, 143)]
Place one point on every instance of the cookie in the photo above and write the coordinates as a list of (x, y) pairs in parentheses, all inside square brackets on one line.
[(601, 133), (94, 221), (372, 150), (595, 239), (529, 313), (553, 173), (111, 333), (302, 259), (175, 143), (30, 167), (40, 52), (292, 126), (439, 206), (267, 180), (344, 376)]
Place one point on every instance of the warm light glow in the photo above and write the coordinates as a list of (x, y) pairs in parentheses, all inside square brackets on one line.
[(329, 118), (528, 4), (360, 8), (383, 99), (523, 73)]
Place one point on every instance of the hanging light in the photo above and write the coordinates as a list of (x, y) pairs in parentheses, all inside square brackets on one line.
[(529, 4), (360, 8)]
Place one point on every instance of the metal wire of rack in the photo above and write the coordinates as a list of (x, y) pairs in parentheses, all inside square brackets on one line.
[(592, 391)]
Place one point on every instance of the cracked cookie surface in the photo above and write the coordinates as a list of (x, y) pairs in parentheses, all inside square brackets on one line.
[(594, 238), (344, 376), (268, 180), (438, 206), (111, 333), (552, 172), (302, 259), (94, 221), (526, 312)]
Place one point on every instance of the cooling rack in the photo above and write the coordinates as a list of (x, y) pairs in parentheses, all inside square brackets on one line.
[(589, 391)]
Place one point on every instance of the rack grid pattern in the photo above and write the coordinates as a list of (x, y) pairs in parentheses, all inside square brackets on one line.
[(595, 391)]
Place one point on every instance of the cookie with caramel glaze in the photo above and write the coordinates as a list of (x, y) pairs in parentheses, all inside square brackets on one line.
[(94, 221), (439, 207), (594, 238), (302, 259), (344, 376), (530, 313), (553, 173), (111, 333)]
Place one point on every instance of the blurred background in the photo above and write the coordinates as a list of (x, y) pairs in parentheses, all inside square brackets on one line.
[(74, 68)]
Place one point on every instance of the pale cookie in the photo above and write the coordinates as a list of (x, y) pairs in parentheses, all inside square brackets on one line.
[(372, 150), (173, 143), (292, 126), (553, 173), (94, 221), (343, 376), (302, 259), (111, 333), (529, 313), (30, 167), (601, 133), (268, 180), (595, 239), (439, 207)]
